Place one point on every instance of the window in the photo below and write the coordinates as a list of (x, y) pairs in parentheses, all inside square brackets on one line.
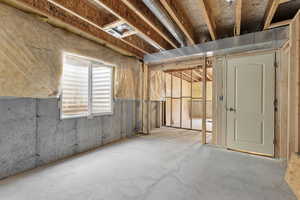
[(86, 88)]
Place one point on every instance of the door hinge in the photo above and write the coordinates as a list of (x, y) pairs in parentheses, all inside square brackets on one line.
[(275, 104), (274, 141), (275, 64)]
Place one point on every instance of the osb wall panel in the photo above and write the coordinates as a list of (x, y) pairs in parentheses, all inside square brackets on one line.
[(31, 57)]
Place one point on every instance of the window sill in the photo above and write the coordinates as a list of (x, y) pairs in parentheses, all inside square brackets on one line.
[(86, 116)]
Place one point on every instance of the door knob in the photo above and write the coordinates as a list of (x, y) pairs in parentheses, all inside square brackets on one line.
[(231, 109)]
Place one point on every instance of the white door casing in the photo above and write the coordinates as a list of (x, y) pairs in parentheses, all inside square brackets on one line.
[(250, 103)]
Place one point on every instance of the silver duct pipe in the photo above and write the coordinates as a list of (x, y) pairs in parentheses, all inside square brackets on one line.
[(164, 18), (265, 40)]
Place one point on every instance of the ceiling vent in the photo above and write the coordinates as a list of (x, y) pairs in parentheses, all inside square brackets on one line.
[(119, 29)]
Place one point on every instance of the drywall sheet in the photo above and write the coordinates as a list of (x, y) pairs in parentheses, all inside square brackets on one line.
[(31, 57)]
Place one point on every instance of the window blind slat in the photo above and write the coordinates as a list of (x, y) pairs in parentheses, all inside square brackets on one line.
[(77, 83), (102, 89), (75, 87)]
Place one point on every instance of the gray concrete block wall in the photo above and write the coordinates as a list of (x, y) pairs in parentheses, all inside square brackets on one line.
[(32, 133)]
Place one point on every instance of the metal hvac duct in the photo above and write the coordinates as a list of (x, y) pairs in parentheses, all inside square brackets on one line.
[(270, 39), (164, 18)]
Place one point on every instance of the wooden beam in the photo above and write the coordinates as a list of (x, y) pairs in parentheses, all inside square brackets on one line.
[(206, 14), (272, 7), (278, 24), (139, 8), (87, 22), (204, 93), (197, 74), (180, 17), (119, 9), (238, 17), (93, 15), (142, 44), (284, 1)]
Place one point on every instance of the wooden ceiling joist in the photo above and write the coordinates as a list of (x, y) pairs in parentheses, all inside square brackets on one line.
[(139, 8), (119, 9), (238, 17), (284, 1), (93, 15), (87, 22), (278, 24), (142, 44), (206, 14), (272, 7), (181, 19)]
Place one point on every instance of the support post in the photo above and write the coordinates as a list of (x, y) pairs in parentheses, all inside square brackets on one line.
[(204, 71)]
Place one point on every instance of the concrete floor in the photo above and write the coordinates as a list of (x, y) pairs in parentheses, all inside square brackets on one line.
[(169, 165)]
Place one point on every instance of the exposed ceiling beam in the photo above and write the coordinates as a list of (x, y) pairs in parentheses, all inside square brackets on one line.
[(206, 14), (272, 7), (238, 17), (278, 24), (86, 22), (199, 74), (119, 9), (139, 8), (142, 44), (180, 17), (190, 77), (93, 15), (284, 1)]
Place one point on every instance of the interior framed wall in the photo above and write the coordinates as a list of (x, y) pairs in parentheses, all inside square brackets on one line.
[(184, 98)]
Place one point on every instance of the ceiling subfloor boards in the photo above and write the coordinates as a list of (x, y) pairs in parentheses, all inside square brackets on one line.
[(178, 15), (119, 9), (49, 9), (206, 14)]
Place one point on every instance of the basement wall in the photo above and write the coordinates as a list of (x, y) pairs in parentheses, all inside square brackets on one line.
[(32, 134), (31, 56), (31, 131)]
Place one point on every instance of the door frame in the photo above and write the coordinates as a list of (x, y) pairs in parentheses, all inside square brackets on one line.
[(224, 91)]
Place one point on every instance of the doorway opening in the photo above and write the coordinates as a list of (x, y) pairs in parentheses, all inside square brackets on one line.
[(186, 103)]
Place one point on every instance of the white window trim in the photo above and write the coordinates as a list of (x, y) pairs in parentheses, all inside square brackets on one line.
[(90, 115)]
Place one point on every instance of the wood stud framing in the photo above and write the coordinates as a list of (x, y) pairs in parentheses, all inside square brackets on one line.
[(204, 102), (121, 10), (278, 24), (238, 17), (189, 76), (178, 15), (208, 19), (273, 5), (139, 8)]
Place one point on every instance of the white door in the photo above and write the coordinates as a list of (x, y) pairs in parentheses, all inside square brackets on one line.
[(250, 103)]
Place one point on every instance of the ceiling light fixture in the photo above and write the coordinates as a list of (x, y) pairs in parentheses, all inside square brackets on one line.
[(230, 1)]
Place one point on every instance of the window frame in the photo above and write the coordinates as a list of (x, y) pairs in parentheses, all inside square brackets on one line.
[(90, 113)]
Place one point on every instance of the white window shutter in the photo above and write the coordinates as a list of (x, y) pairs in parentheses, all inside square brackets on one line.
[(101, 89)]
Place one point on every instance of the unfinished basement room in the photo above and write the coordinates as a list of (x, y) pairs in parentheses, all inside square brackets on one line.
[(150, 100)]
